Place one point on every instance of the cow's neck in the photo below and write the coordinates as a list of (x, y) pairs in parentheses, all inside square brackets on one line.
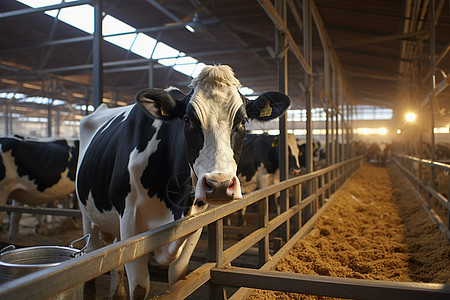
[(173, 171)]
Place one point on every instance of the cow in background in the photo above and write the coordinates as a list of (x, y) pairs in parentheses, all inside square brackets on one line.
[(259, 165), (386, 153), (442, 152), (359, 148), (136, 162), (373, 153), (318, 154), (36, 171)]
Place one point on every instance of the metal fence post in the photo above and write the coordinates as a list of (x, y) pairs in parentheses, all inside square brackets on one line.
[(215, 247), (263, 220)]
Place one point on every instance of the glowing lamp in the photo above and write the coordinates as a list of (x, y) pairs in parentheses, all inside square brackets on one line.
[(410, 117)]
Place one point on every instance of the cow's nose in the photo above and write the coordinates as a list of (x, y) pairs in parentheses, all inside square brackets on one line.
[(295, 171), (218, 188)]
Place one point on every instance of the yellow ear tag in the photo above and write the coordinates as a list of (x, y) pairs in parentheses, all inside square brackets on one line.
[(275, 143), (163, 112), (266, 111)]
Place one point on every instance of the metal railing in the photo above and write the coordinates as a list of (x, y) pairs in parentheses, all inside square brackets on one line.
[(431, 178), (323, 184)]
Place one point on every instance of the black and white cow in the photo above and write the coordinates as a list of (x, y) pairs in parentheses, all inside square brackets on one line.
[(318, 154), (259, 165), (135, 166), (36, 171)]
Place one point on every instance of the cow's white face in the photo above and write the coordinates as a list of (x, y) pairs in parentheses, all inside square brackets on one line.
[(217, 110), (214, 115)]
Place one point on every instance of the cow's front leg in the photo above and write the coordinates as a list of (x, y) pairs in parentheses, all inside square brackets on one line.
[(178, 268), (136, 270), (138, 278)]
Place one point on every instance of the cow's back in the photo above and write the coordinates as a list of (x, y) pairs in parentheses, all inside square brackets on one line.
[(258, 163), (128, 162), (90, 124), (35, 172)]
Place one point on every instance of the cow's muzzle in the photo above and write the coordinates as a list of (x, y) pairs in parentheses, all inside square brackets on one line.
[(220, 189), (295, 171)]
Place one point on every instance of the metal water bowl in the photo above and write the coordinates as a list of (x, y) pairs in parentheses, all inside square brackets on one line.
[(15, 263)]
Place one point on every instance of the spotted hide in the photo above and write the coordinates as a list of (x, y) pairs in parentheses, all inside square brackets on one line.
[(36, 171), (259, 165), (136, 162)]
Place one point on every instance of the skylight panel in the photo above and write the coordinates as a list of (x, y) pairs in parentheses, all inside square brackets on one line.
[(81, 17), (183, 60), (245, 90), (198, 68), (125, 41), (164, 51), (122, 35), (40, 3), (112, 25), (185, 69), (168, 62), (143, 45)]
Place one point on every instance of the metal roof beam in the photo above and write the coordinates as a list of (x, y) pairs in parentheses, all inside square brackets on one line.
[(281, 25), (381, 39), (138, 61), (89, 38), (350, 74)]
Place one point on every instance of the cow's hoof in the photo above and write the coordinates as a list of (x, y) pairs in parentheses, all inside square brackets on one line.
[(139, 293)]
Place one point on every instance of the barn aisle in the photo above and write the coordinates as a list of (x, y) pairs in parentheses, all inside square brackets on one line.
[(375, 229)]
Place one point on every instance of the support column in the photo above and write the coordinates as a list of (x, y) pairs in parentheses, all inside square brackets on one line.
[(326, 87), (150, 76), (98, 54), (281, 46), (307, 53), (433, 85)]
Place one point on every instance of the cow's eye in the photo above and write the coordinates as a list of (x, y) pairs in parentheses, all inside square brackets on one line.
[(187, 122)]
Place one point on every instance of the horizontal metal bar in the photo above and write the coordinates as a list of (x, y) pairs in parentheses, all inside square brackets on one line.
[(329, 286), (250, 240), (431, 214), (183, 288), (28, 11), (436, 219), (445, 167), (444, 201), (74, 213), (145, 62)]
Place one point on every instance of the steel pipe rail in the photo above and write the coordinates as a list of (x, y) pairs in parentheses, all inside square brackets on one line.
[(405, 164), (74, 213), (330, 286), (53, 281)]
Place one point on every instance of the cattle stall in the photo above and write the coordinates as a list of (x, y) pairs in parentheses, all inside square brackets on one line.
[(324, 183)]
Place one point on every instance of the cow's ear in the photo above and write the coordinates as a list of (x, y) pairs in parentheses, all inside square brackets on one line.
[(268, 106), (160, 104)]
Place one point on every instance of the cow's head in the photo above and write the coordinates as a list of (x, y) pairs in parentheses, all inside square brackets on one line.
[(293, 154), (214, 114)]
